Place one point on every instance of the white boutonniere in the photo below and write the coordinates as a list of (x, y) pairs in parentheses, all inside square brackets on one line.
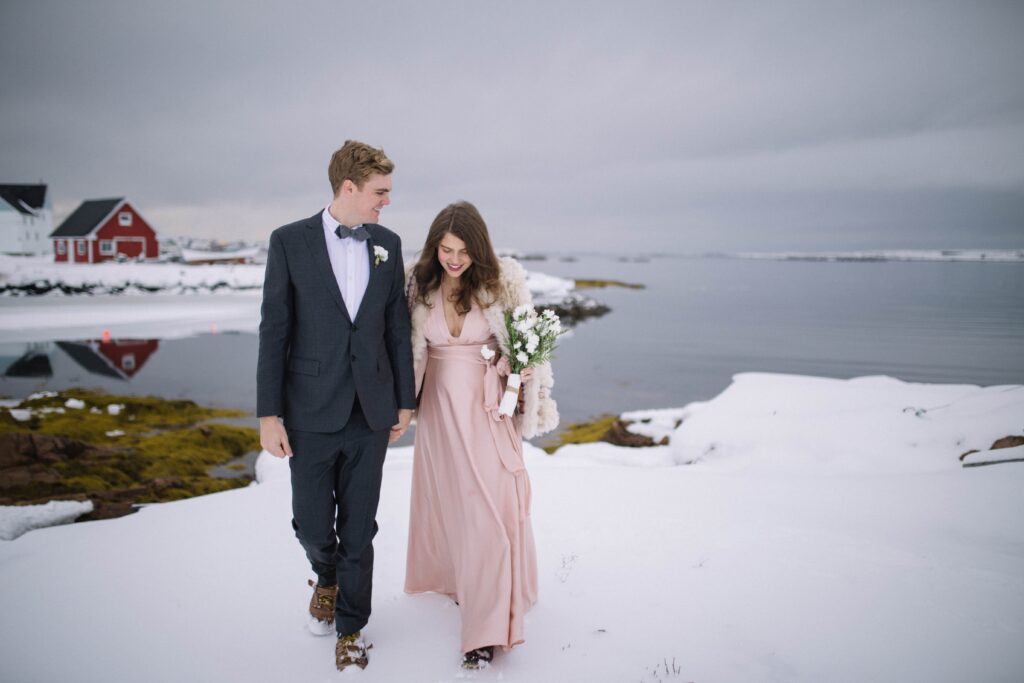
[(380, 254)]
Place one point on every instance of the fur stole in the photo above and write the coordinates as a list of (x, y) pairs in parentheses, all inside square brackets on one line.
[(540, 412)]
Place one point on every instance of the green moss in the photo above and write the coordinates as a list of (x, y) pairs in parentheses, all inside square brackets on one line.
[(583, 432), (140, 415), (86, 482), (159, 450), (190, 452), (594, 284)]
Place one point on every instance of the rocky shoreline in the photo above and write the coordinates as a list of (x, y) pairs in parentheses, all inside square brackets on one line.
[(119, 452)]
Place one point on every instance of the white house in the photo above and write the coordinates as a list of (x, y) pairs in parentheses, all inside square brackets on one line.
[(26, 219)]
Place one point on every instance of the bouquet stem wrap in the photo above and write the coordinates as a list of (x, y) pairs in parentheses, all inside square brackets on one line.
[(511, 396)]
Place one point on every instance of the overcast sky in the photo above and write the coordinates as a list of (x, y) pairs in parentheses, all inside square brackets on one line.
[(644, 126)]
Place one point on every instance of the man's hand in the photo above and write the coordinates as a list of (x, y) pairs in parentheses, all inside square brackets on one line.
[(273, 437), (404, 417)]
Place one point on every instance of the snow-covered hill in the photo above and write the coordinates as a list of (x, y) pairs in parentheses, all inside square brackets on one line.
[(825, 531)]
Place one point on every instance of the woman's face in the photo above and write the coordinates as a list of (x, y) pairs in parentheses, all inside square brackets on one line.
[(453, 256)]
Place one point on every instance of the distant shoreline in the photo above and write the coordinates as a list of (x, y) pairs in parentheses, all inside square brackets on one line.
[(937, 255)]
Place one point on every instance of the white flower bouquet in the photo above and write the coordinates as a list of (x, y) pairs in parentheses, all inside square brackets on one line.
[(531, 341)]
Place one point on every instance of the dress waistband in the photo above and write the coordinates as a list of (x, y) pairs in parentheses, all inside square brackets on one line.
[(466, 352)]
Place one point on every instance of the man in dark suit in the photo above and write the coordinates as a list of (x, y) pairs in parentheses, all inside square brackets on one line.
[(335, 364)]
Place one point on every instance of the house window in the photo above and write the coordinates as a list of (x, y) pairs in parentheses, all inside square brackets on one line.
[(124, 219), (128, 361), (81, 247), (62, 247), (107, 247)]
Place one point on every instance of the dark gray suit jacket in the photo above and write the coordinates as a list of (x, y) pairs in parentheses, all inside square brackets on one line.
[(313, 359)]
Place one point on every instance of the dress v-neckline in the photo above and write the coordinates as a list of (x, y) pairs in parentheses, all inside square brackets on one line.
[(444, 318)]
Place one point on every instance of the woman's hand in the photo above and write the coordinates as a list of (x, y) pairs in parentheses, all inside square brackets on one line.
[(525, 374), (503, 367)]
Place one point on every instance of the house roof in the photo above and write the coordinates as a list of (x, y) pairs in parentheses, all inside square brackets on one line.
[(86, 218), (25, 198)]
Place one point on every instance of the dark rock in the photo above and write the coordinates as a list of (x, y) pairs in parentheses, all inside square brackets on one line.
[(1008, 442), (28, 459), (102, 509), (620, 435), (575, 308), (25, 448), (15, 450), (17, 477)]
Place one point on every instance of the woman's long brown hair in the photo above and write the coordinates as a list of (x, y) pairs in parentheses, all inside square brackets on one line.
[(464, 221)]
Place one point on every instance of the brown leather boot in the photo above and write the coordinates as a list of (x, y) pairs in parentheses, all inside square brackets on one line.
[(321, 609), (351, 649)]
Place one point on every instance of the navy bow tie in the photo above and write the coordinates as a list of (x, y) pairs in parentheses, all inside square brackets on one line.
[(357, 233)]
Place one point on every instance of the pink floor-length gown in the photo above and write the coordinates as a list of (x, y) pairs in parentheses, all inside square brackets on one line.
[(469, 529)]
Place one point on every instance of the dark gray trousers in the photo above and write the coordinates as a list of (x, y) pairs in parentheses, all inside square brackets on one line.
[(336, 480)]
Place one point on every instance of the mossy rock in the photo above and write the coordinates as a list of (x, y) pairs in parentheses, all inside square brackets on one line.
[(607, 428), (583, 432), (596, 283), (153, 450)]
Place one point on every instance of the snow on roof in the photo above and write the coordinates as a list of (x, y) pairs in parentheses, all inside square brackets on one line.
[(27, 199)]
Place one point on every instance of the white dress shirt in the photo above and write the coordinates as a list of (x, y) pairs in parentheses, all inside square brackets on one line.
[(350, 262)]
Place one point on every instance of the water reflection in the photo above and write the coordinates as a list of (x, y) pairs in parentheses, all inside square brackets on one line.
[(681, 339), (116, 358), (33, 362), (210, 369)]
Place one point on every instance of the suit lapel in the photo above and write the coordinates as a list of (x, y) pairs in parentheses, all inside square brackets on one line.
[(373, 271), (318, 249)]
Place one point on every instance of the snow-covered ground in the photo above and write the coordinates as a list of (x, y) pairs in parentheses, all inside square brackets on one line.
[(188, 300), (16, 520), (177, 278), (41, 274), (973, 255), (825, 531)]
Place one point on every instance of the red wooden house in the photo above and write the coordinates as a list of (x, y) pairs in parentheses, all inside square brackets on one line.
[(102, 230)]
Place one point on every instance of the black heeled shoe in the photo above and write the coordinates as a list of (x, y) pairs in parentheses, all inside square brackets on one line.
[(479, 658)]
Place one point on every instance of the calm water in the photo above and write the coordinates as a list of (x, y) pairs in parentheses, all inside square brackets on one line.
[(697, 323)]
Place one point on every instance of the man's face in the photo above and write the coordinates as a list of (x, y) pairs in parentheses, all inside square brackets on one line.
[(366, 202)]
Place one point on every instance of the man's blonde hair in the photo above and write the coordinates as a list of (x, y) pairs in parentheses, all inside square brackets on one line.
[(357, 161)]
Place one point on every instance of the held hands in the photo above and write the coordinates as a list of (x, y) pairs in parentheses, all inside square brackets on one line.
[(273, 437), (404, 417), (505, 369)]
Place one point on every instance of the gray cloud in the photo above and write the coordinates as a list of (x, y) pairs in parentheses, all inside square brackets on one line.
[(695, 126)]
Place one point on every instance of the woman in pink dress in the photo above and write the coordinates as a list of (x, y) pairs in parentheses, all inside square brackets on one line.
[(469, 530)]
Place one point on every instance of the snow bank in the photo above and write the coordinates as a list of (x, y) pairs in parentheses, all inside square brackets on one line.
[(655, 424), (99, 278), (816, 543), (876, 424), (216, 298), (548, 289), (41, 274), (16, 520)]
